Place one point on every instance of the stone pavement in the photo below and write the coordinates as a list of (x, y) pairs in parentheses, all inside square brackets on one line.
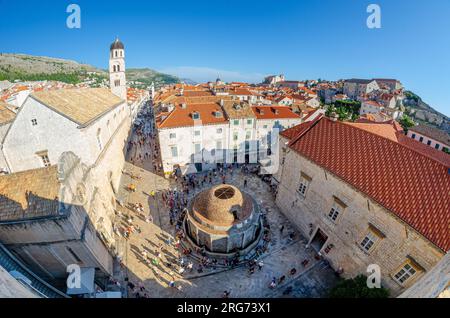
[(283, 254), (139, 252)]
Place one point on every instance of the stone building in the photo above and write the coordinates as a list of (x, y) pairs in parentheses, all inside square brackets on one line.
[(434, 284), (354, 88), (66, 149), (363, 194), (224, 220), (197, 133), (47, 218)]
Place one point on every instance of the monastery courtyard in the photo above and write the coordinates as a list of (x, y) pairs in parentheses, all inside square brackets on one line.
[(283, 254)]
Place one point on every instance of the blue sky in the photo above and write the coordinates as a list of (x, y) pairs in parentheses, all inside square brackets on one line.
[(244, 40)]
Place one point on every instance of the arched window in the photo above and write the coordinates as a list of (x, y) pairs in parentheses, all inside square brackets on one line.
[(118, 68), (114, 68), (116, 53), (99, 139)]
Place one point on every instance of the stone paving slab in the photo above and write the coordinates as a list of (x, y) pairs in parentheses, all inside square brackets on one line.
[(283, 254)]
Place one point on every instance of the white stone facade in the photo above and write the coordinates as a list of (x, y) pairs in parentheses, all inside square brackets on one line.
[(37, 130)]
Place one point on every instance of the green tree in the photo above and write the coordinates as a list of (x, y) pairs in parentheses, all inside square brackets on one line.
[(406, 122), (357, 288)]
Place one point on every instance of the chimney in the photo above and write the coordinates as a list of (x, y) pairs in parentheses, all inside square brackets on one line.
[(183, 106), (221, 102)]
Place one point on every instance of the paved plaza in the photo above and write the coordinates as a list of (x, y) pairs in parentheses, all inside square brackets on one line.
[(153, 234)]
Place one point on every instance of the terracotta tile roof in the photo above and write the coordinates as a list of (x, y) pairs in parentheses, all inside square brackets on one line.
[(387, 129), (413, 186), (79, 105), (298, 130), (240, 91), (244, 110), (180, 117), (6, 115), (425, 149), (198, 99), (372, 103), (197, 93), (29, 194), (274, 112)]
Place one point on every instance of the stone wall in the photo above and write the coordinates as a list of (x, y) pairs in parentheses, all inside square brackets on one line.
[(434, 284)]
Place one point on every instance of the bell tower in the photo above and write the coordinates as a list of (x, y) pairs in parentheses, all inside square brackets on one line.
[(117, 79)]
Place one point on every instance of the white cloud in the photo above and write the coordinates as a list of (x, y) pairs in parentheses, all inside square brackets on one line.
[(205, 74)]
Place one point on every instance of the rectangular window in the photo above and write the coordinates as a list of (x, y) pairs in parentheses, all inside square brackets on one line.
[(429, 143), (197, 133), (174, 151), (236, 122), (265, 126), (249, 121), (34, 122), (405, 273), (197, 148), (173, 136), (45, 160), (219, 145), (219, 130), (421, 139), (413, 136), (235, 136), (336, 209), (304, 183), (437, 146), (303, 186), (248, 135), (368, 242)]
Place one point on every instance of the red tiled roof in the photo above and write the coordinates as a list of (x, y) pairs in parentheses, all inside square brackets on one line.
[(373, 103), (385, 129), (240, 91), (298, 130), (274, 112), (413, 186), (180, 117), (196, 93)]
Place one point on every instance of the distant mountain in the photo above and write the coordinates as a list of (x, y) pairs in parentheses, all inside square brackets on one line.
[(423, 113), (147, 76), (188, 81), (24, 67)]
